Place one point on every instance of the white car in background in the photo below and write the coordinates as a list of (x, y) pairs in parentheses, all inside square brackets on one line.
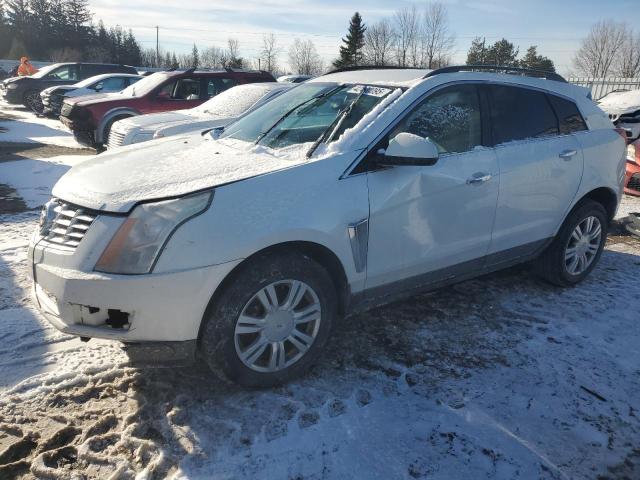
[(53, 97), (294, 78), (623, 108), (221, 110), (344, 193)]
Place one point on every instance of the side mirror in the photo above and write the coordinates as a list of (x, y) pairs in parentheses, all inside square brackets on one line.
[(98, 87), (409, 149), (163, 96)]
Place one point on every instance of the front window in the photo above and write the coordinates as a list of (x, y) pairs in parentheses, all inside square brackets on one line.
[(68, 72), (308, 113), (44, 71)]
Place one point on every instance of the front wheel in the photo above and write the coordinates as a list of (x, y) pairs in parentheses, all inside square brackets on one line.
[(32, 101), (272, 322), (578, 246)]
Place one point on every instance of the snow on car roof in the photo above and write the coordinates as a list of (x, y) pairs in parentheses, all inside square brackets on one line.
[(392, 77)]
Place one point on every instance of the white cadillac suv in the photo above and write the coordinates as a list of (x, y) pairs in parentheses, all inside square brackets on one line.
[(347, 191)]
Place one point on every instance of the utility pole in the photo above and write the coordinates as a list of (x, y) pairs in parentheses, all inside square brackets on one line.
[(157, 46)]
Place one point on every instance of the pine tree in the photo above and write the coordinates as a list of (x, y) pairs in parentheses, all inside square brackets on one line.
[(195, 57), (174, 61), (477, 54), (351, 53), (537, 62), (503, 53)]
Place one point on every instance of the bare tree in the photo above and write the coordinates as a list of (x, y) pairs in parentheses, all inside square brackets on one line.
[(601, 48), (269, 53), (406, 23), (379, 41), (212, 57), (232, 58), (304, 58), (437, 39), (628, 62)]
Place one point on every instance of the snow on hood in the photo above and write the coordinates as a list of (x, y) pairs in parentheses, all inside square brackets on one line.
[(152, 120), (618, 103), (116, 181)]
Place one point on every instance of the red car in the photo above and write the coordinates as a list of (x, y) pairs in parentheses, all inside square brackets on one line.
[(632, 177), (90, 117)]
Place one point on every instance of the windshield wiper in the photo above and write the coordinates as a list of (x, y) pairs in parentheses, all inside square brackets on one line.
[(289, 112), (335, 125)]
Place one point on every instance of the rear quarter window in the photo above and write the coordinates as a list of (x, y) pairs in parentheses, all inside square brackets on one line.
[(519, 113), (569, 117)]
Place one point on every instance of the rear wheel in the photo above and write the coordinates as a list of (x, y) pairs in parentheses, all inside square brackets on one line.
[(578, 246), (32, 101), (272, 322)]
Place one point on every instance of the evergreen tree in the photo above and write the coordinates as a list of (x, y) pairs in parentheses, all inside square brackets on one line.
[(195, 57), (351, 53), (477, 54), (174, 61), (536, 62), (503, 53)]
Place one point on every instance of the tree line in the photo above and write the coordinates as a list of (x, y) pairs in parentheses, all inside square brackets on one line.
[(61, 30)]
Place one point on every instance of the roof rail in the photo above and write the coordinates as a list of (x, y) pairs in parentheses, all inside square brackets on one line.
[(371, 67), (525, 72)]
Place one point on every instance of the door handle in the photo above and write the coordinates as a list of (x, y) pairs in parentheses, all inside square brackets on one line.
[(478, 178), (568, 155)]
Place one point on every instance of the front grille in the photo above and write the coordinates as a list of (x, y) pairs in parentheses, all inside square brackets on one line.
[(116, 139), (634, 182), (69, 224)]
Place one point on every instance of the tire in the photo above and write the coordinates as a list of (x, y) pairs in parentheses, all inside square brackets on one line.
[(556, 262), (223, 337), (107, 131), (31, 99)]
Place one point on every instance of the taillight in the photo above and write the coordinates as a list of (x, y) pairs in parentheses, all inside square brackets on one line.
[(623, 133)]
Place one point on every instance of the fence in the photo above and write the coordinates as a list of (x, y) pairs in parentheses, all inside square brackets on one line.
[(601, 86)]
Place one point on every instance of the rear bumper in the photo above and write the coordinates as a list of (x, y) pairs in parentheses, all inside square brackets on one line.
[(632, 179), (165, 307)]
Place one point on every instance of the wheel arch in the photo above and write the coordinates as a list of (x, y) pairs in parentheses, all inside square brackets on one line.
[(319, 253), (123, 112), (606, 197)]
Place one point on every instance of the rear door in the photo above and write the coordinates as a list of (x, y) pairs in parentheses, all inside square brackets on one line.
[(213, 86), (540, 170)]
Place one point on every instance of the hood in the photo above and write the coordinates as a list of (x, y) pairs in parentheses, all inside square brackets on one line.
[(156, 120), (620, 103), (115, 182), (95, 98), (7, 81), (57, 89)]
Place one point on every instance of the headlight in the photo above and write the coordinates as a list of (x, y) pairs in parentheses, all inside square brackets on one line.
[(12, 86), (631, 153), (140, 239)]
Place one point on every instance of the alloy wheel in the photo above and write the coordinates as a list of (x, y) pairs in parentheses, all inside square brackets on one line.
[(277, 326), (583, 245)]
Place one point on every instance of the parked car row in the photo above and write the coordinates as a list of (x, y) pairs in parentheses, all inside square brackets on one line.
[(623, 108), (248, 244)]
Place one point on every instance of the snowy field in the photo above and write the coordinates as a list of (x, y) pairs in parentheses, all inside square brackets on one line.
[(502, 377)]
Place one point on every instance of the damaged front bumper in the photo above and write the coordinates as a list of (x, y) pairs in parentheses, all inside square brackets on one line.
[(157, 307)]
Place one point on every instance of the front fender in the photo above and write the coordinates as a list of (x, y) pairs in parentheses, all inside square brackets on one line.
[(109, 116)]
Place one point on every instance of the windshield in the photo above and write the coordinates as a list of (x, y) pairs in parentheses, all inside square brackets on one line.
[(144, 86), (233, 102), (306, 113), (88, 81), (45, 70)]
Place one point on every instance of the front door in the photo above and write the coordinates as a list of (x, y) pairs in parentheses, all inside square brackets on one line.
[(429, 223)]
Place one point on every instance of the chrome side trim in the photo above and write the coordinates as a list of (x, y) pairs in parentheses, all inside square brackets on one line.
[(359, 238)]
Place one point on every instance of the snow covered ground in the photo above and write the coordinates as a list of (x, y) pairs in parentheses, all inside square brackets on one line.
[(18, 125), (502, 377)]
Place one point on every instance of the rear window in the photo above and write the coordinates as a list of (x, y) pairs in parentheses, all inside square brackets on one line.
[(519, 113), (568, 115)]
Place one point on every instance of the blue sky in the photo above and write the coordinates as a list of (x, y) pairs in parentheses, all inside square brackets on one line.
[(555, 26)]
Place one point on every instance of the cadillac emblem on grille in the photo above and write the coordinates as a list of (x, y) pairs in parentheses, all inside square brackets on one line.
[(47, 214)]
